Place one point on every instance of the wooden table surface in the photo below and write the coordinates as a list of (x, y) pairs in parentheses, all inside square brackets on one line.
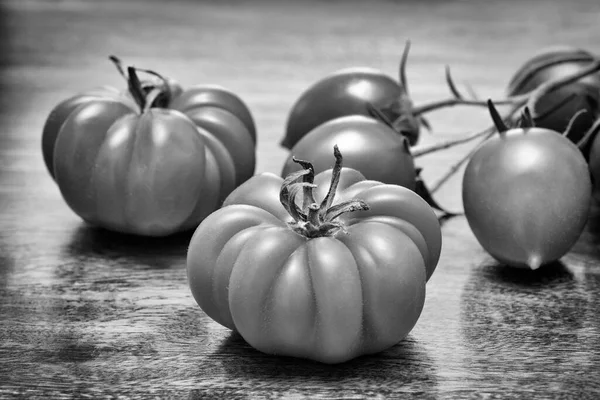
[(89, 314)]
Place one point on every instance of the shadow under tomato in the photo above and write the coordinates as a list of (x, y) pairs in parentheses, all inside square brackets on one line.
[(530, 325), (555, 273), (405, 364), (153, 252)]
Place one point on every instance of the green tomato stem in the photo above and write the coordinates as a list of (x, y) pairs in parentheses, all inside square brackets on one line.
[(119, 64), (149, 99), (498, 121), (166, 92), (591, 133), (139, 91), (135, 88), (571, 124), (402, 69), (526, 120), (314, 219), (308, 179)]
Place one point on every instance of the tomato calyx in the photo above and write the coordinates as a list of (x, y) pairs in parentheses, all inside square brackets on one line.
[(140, 90), (526, 121), (314, 219), (408, 118), (589, 135)]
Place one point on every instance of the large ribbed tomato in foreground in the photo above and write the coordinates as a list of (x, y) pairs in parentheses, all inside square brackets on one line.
[(326, 267)]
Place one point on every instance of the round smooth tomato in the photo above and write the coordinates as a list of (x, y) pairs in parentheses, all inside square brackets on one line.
[(557, 108), (326, 267), (551, 63), (369, 146), (342, 93), (123, 163), (526, 195)]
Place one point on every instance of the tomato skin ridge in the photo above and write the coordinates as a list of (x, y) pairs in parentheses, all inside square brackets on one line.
[(403, 226), (200, 256), (373, 339), (231, 244)]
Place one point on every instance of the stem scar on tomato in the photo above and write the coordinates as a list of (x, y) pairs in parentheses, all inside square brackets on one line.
[(313, 219)]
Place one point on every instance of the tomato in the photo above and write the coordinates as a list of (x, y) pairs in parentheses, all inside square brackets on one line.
[(551, 63), (564, 102), (526, 195), (346, 92), (342, 93), (123, 163), (326, 267), (61, 112), (368, 145)]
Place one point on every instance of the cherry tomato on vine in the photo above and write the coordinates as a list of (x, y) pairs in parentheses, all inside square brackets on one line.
[(342, 93), (326, 267), (345, 92), (526, 195), (550, 63), (565, 102), (153, 161)]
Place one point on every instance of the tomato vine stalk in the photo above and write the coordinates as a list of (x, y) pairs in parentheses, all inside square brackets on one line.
[(518, 104), (316, 219), (407, 118), (140, 90)]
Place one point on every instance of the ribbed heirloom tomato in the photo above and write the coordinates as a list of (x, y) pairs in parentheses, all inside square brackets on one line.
[(326, 267), (151, 161)]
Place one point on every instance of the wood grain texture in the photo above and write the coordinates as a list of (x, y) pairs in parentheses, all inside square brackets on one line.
[(87, 313)]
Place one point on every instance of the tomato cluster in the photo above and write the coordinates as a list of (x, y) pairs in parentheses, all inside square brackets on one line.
[(319, 262), (540, 161)]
